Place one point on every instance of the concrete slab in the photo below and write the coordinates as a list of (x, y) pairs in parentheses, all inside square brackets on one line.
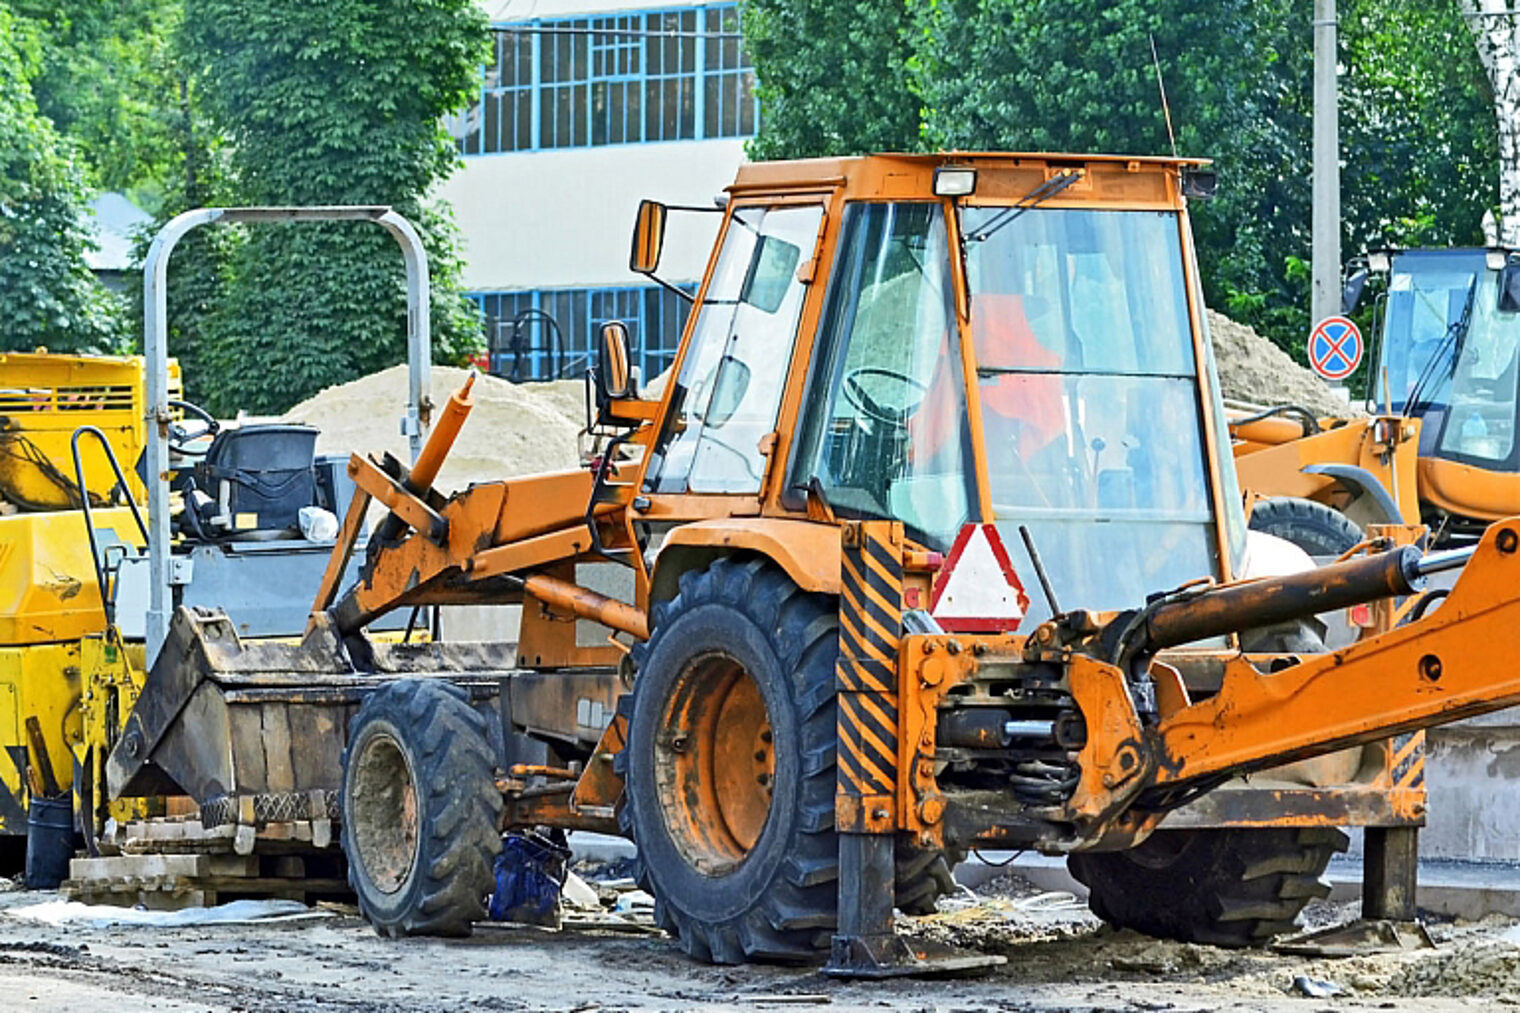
[(588, 847)]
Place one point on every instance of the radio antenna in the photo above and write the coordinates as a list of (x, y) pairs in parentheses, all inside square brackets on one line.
[(1166, 109)]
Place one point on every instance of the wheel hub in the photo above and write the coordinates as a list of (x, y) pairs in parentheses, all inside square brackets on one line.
[(715, 764), (382, 812)]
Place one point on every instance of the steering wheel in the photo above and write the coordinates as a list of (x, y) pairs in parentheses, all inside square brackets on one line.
[(181, 436), (855, 393)]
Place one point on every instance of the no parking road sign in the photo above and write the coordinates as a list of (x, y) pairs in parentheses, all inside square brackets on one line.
[(1335, 348)]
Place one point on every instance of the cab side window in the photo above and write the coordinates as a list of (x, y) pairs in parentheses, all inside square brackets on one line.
[(729, 389)]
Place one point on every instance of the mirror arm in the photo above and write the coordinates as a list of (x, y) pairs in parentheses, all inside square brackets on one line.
[(671, 287)]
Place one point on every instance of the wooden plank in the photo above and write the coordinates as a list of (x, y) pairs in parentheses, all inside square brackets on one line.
[(314, 730), (232, 865), (277, 759), (247, 752)]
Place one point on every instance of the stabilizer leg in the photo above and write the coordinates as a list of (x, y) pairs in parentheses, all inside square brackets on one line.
[(866, 945)]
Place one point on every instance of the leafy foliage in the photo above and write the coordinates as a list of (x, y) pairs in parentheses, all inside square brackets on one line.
[(200, 266), (1417, 127), (105, 77), (47, 294), (338, 102), (831, 77), (1418, 142), (1039, 75)]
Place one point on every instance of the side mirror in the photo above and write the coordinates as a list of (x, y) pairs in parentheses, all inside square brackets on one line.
[(648, 237), (614, 375), (1351, 293), (1509, 285)]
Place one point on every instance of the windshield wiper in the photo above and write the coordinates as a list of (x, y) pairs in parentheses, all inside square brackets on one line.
[(1454, 338), (1033, 198)]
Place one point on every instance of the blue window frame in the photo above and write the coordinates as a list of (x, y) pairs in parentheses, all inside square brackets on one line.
[(663, 75), (547, 334)]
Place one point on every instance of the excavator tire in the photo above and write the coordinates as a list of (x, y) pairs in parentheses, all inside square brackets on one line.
[(420, 810), (1313, 527), (729, 770), (1231, 887)]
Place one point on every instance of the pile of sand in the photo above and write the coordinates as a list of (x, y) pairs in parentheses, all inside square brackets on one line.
[(514, 429), (1252, 368)]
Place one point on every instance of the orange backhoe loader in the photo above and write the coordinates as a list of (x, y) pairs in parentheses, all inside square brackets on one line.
[(931, 541)]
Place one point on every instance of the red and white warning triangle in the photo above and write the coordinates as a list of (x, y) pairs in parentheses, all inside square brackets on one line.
[(977, 590)]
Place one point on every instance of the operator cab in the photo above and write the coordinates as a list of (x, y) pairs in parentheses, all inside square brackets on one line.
[(1449, 338), (1081, 381), (1005, 339)]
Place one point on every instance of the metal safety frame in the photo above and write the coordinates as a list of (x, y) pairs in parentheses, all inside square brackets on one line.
[(156, 349)]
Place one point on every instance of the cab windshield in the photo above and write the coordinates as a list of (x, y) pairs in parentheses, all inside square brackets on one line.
[(1089, 400), (1088, 389), (1448, 353)]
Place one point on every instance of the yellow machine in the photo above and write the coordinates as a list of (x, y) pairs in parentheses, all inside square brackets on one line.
[(932, 540), (73, 569), (53, 619)]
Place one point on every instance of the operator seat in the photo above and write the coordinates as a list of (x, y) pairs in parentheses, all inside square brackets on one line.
[(257, 476)]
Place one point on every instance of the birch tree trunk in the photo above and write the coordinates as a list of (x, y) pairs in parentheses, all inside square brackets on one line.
[(1498, 41)]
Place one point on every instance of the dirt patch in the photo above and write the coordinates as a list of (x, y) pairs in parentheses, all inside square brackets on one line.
[(1050, 938), (1253, 369), (1481, 965), (514, 429)]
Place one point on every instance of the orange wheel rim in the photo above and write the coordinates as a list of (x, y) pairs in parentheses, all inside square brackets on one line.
[(715, 764)]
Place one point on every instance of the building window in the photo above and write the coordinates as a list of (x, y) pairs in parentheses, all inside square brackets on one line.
[(549, 334), (621, 79)]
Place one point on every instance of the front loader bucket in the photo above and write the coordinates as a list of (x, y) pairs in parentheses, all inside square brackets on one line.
[(254, 731)]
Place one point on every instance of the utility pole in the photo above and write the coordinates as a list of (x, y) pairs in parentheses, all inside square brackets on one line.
[(1326, 259)]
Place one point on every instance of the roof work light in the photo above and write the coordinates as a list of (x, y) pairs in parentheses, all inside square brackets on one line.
[(954, 181)]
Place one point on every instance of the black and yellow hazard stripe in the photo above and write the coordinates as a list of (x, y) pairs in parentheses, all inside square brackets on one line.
[(1407, 767), (870, 627)]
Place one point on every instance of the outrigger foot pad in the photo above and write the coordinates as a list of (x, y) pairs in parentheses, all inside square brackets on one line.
[(892, 956), (1359, 938)]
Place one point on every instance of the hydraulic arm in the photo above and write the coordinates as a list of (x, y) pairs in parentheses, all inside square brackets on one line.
[(1429, 671)]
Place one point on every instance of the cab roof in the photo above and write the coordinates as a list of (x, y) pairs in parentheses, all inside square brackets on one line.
[(1147, 180)]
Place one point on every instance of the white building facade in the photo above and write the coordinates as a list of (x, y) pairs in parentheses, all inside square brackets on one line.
[(589, 107)]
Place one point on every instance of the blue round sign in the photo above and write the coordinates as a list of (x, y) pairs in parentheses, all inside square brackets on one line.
[(1335, 348)]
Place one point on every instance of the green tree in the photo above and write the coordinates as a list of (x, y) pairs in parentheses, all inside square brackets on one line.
[(200, 266), (1417, 127), (1078, 75), (1041, 75), (338, 102), (832, 77), (105, 79), (47, 293)]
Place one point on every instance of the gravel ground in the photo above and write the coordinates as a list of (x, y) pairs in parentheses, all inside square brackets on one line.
[(1059, 958)]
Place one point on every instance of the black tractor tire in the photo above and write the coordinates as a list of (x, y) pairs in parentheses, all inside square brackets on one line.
[(420, 810), (1233, 887), (771, 895), (1317, 529)]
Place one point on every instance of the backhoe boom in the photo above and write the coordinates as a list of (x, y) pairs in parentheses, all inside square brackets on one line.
[(1431, 671)]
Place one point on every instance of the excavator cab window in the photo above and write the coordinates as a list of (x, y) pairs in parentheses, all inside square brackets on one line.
[(1090, 399), (731, 379), (885, 431), (1449, 352)]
